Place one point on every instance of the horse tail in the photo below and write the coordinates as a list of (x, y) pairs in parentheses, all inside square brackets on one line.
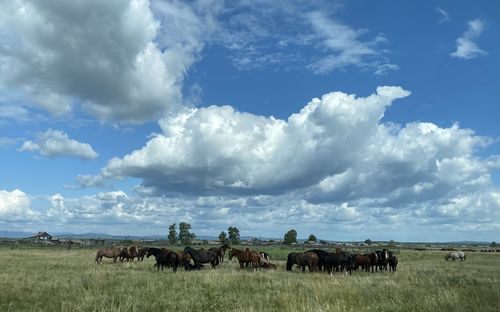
[(289, 262)]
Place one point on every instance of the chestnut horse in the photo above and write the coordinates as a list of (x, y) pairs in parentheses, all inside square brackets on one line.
[(246, 257), (129, 253)]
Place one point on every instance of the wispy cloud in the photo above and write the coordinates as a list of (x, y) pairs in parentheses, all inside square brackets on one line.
[(466, 47), (299, 35), (445, 17)]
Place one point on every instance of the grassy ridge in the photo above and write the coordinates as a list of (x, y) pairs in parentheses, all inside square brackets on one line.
[(68, 280)]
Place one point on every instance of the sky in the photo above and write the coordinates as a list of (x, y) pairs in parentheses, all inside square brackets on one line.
[(344, 119)]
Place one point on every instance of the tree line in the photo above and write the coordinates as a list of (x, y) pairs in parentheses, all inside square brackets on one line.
[(232, 236), (186, 237)]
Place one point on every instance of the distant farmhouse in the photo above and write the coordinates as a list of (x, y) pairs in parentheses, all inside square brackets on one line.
[(41, 237)]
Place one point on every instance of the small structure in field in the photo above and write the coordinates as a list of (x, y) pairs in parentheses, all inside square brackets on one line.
[(41, 237)]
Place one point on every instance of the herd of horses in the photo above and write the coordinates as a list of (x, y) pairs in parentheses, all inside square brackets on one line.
[(339, 261), (196, 259)]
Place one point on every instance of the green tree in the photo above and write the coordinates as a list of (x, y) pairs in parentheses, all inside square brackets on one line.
[(185, 236), (290, 237), (493, 244), (368, 241), (312, 238), (223, 237), (392, 244), (172, 234), (234, 235)]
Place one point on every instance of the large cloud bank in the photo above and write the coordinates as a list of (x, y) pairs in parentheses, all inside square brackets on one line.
[(220, 150), (110, 57), (334, 162)]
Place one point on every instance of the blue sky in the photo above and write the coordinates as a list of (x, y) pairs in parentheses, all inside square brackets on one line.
[(338, 118)]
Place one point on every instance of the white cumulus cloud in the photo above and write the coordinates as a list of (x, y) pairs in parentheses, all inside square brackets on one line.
[(116, 59), (15, 205), (53, 143), (217, 149)]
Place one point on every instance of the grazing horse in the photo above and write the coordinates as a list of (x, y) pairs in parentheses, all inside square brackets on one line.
[(393, 262), (264, 255), (246, 257), (201, 256), (309, 259), (321, 257), (339, 261), (129, 253), (455, 256), (220, 251), (164, 257), (141, 253), (113, 252)]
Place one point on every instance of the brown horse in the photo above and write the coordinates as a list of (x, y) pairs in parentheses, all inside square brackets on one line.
[(246, 257), (129, 253), (113, 252), (393, 262), (220, 251), (266, 264), (309, 259), (365, 261), (141, 253)]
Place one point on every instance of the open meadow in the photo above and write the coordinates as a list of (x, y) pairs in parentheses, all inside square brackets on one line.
[(54, 279)]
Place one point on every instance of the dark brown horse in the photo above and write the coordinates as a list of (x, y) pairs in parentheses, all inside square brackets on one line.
[(365, 261), (393, 262), (246, 257), (309, 259), (141, 253), (338, 261), (164, 257), (220, 251), (113, 252), (201, 256), (382, 261)]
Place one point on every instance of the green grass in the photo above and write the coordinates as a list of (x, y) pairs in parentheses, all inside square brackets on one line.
[(68, 280)]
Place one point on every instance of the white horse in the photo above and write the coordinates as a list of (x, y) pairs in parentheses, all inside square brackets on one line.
[(455, 256)]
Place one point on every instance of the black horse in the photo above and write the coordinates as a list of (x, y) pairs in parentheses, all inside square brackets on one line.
[(339, 262), (321, 257), (164, 258), (200, 256)]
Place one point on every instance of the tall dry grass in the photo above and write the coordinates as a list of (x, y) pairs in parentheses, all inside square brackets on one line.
[(68, 280)]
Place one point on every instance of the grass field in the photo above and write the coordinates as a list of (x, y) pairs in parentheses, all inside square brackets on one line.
[(68, 280)]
